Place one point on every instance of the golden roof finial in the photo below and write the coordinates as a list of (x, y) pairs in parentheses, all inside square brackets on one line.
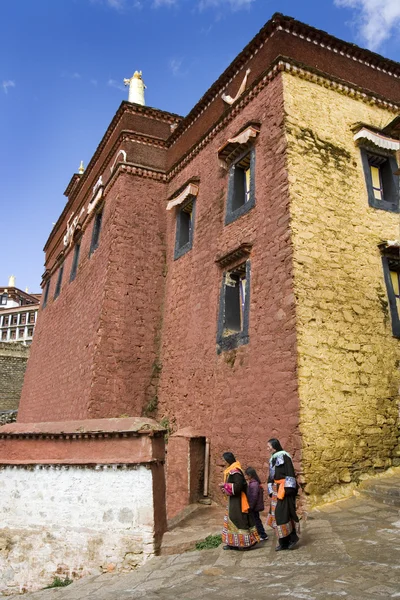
[(81, 168)]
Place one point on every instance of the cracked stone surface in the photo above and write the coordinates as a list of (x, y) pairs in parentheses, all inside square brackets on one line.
[(350, 549)]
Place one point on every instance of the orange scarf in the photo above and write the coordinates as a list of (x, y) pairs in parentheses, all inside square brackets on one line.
[(243, 498), (281, 488)]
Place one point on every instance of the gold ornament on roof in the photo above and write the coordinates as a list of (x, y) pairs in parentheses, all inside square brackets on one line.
[(81, 169)]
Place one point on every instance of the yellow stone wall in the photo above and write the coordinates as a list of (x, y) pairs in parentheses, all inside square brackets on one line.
[(347, 358)]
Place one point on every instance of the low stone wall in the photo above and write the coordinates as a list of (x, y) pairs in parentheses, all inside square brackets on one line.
[(72, 521), (13, 359), (61, 518)]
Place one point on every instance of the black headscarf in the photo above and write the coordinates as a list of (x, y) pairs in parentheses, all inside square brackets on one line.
[(229, 457)]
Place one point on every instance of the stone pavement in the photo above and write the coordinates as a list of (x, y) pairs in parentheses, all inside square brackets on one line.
[(349, 549)]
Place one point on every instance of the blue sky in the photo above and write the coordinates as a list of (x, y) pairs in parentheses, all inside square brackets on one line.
[(62, 65)]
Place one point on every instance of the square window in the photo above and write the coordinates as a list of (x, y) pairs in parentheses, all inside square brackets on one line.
[(241, 190), (4, 335), (30, 331), (96, 232), (184, 227), (233, 321), (382, 183)]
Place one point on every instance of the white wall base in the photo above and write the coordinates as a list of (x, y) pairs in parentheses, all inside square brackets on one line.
[(72, 521)]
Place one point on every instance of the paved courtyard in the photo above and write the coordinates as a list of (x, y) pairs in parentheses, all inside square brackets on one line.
[(350, 549)]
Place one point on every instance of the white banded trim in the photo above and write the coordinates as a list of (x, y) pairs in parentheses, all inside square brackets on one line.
[(190, 190), (378, 139)]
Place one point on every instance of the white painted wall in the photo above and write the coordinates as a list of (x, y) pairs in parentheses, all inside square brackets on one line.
[(71, 521)]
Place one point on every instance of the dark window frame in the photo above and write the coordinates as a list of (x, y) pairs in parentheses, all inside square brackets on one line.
[(181, 219), (239, 338), (75, 261), (233, 213), (97, 223), (390, 183), (46, 293), (57, 291), (3, 299), (389, 265)]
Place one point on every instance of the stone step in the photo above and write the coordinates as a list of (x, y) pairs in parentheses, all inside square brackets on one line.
[(200, 523), (385, 489)]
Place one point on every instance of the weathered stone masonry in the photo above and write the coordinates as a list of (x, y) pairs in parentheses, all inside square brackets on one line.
[(13, 359), (348, 359)]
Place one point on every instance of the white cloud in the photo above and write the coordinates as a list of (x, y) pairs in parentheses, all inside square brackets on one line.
[(121, 5), (376, 20), (115, 84), (232, 4), (118, 4), (7, 84), (158, 3), (69, 75), (175, 65)]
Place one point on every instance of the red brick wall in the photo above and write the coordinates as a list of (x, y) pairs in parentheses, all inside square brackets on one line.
[(58, 378), (239, 399), (124, 371), (97, 342)]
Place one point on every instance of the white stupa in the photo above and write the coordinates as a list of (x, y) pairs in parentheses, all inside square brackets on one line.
[(136, 88)]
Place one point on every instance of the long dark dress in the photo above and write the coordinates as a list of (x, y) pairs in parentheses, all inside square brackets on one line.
[(282, 514), (239, 529)]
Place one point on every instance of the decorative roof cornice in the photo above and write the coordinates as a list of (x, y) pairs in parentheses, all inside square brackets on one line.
[(288, 65), (74, 186), (280, 22), (84, 429)]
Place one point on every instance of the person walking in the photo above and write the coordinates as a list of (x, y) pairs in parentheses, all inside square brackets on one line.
[(255, 496), (239, 531), (282, 489)]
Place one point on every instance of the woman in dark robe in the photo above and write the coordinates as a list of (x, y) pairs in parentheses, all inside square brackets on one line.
[(282, 488), (239, 531)]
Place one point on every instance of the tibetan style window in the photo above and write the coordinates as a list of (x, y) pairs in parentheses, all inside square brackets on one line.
[(22, 319), (96, 231), (46, 294), (14, 320), (31, 317), (3, 299), (233, 321), (13, 334), (30, 331), (6, 321), (391, 271), (75, 261), (184, 227), (59, 281), (382, 183), (241, 191), (4, 335), (21, 333)]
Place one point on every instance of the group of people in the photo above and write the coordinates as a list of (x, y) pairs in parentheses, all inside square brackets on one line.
[(243, 527)]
